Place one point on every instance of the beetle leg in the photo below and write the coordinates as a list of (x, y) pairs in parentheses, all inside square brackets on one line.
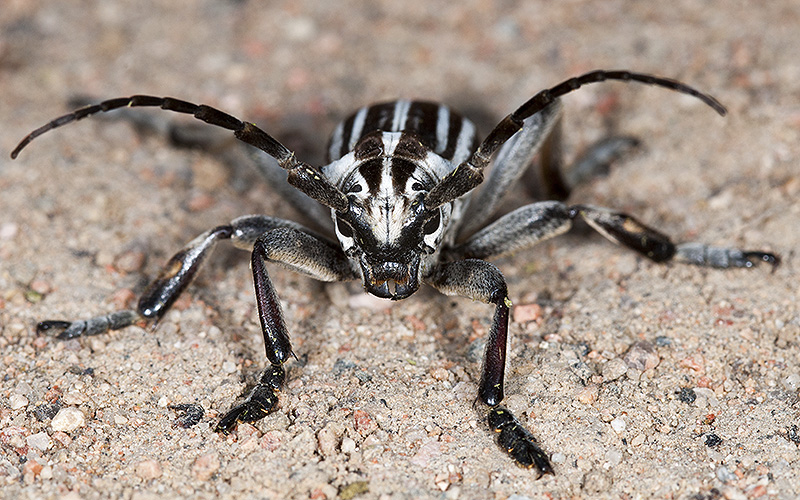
[(522, 228), (626, 230), (480, 280), (157, 297), (303, 253), (533, 223), (595, 161), (173, 278), (551, 181)]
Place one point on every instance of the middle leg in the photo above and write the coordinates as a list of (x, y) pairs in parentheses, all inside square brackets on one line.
[(303, 253), (536, 222), (480, 280)]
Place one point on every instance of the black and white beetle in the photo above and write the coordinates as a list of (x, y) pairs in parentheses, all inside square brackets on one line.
[(399, 185)]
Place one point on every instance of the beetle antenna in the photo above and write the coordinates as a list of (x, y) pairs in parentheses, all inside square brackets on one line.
[(469, 174), (301, 175)]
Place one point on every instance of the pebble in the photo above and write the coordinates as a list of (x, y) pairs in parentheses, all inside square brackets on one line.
[(642, 356), (328, 439), (205, 466), (148, 469), (68, 419), (41, 441), (618, 424), (792, 382), (17, 401), (705, 397), (8, 230), (725, 475), (271, 440), (526, 313), (614, 369), (130, 261), (588, 395), (348, 445)]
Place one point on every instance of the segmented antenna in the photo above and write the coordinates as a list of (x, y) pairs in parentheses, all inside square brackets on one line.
[(469, 174), (301, 175)]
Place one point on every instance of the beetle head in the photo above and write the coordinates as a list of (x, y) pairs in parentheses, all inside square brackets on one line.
[(386, 228)]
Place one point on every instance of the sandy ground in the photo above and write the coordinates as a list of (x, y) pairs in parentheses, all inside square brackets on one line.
[(379, 402)]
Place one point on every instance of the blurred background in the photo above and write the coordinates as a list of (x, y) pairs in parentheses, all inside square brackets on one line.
[(379, 404)]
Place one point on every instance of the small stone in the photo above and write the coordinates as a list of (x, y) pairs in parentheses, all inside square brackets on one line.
[(68, 419), (695, 363), (17, 401), (148, 469), (130, 261), (8, 230), (712, 440), (588, 395), (440, 373), (638, 440), (705, 397), (41, 286), (613, 457), (687, 395), (328, 439), (30, 470), (526, 313), (618, 424), (364, 424), (248, 445), (41, 441), (725, 475), (348, 445), (271, 440), (205, 466), (62, 438), (642, 356), (614, 369), (792, 382)]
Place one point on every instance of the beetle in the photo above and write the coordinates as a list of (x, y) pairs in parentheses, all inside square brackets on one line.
[(400, 186)]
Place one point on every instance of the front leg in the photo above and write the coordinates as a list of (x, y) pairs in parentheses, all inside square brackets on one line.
[(172, 280), (480, 280), (303, 253)]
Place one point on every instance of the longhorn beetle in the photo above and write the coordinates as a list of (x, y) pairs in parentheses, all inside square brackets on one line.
[(400, 186)]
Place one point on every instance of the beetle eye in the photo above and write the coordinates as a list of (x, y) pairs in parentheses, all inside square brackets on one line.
[(344, 228), (432, 225)]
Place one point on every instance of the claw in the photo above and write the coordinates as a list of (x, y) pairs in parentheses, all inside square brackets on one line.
[(752, 258), (517, 441), (189, 414), (47, 325), (260, 403), (66, 329)]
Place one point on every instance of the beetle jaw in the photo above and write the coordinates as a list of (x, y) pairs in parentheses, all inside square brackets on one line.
[(390, 279)]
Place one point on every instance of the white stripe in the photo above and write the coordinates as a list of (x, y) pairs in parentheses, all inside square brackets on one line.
[(464, 142), (336, 142), (358, 126), (400, 115), (442, 128)]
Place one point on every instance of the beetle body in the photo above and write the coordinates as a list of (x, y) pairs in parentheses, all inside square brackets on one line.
[(400, 186)]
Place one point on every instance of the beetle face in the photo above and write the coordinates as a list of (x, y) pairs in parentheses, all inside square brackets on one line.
[(387, 229)]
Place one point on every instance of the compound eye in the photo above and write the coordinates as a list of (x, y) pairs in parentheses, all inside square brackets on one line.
[(432, 225), (344, 228)]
